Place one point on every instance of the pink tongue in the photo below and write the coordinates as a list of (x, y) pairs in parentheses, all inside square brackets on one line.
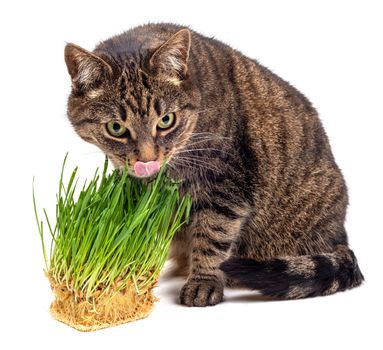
[(146, 169)]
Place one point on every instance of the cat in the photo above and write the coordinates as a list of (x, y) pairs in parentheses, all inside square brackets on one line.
[(269, 201)]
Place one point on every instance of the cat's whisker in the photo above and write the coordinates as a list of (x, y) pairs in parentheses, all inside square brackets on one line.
[(171, 165), (198, 133), (204, 132), (200, 149), (190, 144), (193, 166), (200, 139), (195, 155), (187, 161), (209, 134), (203, 161), (203, 139), (198, 162)]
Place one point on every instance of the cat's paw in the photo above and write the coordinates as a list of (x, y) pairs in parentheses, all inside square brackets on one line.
[(197, 292)]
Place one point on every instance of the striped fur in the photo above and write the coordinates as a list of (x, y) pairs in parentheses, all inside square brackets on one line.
[(269, 201), (297, 277)]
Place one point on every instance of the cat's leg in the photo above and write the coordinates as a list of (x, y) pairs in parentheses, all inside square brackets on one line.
[(179, 253), (213, 233)]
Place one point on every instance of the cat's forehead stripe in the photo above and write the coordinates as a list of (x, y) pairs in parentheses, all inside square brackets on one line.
[(157, 107), (148, 104), (122, 113)]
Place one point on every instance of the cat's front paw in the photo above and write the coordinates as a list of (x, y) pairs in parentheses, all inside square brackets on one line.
[(198, 292)]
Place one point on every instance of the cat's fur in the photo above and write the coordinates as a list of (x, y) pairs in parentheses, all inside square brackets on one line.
[(269, 199)]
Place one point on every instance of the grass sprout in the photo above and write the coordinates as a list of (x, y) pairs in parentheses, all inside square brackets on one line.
[(114, 230)]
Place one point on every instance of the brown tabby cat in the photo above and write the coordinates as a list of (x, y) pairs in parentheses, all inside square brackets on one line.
[(269, 199)]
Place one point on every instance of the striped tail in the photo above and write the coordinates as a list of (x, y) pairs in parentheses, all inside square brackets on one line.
[(297, 277)]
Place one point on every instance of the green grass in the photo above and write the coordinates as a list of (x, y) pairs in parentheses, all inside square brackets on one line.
[(114, 229)]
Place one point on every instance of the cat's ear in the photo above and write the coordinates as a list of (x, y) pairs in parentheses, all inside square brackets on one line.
[(170, 59), (84, 67)]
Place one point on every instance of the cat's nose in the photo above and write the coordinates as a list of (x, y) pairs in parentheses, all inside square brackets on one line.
[(143, 169), (146, 151)]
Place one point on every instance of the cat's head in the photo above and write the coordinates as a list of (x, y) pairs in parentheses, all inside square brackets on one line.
[(138, 109)]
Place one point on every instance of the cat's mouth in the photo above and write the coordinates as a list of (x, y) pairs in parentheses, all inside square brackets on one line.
[(146, 169), (143, 169)]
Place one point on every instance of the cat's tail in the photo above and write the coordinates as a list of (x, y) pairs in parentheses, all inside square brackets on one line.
[(299, 276)]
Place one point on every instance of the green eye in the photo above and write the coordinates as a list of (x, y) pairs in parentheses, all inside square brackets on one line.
[(116, 129), (166, 121)]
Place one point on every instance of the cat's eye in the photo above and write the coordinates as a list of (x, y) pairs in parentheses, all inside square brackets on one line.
[(116, 129), (166, 121)]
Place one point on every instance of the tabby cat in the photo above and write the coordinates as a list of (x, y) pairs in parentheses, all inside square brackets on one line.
[(269, 200)]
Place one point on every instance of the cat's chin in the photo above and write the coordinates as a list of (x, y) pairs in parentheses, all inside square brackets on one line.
[(143, 178)]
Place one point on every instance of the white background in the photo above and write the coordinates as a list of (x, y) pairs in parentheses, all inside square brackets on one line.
[(331, 51)]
